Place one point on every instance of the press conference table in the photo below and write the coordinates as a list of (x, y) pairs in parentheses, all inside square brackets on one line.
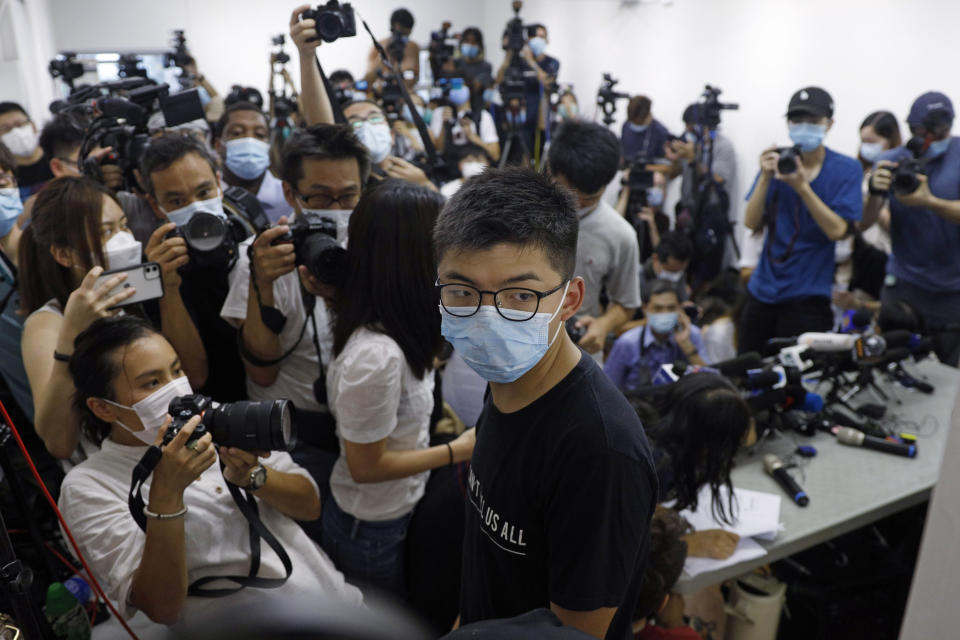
[(849, 487)]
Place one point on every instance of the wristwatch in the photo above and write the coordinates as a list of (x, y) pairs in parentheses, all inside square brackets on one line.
[(258, 478)]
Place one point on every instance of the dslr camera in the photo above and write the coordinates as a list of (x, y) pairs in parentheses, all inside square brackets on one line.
[(315, 245), (789, 157), (251, 426), (334, 20), (906, 176)]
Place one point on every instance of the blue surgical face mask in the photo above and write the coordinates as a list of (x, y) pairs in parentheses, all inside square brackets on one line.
[(247, 158), (460, 95), (407, 115), (637, 128), (662, 322), (204, 96), (567, 113), (469, 50), (870, 151), (427, 116), (655, 196), (10, 209), (937, 148), (181, 216), (537, 46), (500, 350), (489, 95), (807, 135)]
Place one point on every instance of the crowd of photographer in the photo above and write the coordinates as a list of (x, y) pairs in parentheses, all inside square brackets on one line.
[(239, 307)]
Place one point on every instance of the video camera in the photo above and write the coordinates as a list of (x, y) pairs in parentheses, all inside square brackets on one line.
[(66, 66), (251, 426), (516, 32), (442, 47), (607, 98), (712, 107), (281, 56), (315, 245), (334, 20), (390, 95)]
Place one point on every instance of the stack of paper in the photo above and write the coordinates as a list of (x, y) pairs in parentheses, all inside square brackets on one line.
[(756, 515)]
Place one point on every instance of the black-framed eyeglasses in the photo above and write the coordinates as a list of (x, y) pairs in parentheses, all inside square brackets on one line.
[(324, 201), (517, 304)]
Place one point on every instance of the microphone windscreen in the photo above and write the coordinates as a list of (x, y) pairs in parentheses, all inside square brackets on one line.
[(812, 403), (738, 367), (762, 379), (861, 318)]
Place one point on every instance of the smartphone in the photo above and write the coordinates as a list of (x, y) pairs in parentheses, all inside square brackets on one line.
[(146, 278)]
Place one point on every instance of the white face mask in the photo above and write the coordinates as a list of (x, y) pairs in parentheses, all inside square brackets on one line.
[(377, 139), (122, 251), (672, 276), (843, 250), (152, 410), (182, 215), (21, 141), (469, 169)]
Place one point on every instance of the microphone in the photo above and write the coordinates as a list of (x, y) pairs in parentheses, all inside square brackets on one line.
[(827, 341), (772, 378), (854, 438), (738, 367), (775, 467)]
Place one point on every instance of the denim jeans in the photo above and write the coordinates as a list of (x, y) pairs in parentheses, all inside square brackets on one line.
[(370, 554)]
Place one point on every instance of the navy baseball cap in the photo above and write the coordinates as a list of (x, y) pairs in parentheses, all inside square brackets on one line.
[(930, 102), (811, 101)]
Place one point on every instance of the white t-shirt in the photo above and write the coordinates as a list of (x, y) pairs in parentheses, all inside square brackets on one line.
[(448, 189), (374, 395), (487, 129), (300, 369), (93, 500), (718, 341)]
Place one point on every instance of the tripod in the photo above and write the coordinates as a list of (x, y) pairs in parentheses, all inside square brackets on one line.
[(514, 135)]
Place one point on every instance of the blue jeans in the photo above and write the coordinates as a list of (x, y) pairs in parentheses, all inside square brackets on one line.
[(368, 553)]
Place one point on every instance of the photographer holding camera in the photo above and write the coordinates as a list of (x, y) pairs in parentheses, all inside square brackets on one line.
[(808, 197), (195, 539), (642, 135), (920, 183), (400, 48)]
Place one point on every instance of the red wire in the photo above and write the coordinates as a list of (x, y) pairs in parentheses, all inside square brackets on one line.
[(73, 543)]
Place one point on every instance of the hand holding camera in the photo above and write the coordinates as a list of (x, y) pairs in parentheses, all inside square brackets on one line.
[(918, 197), (271, 257), (238, 464), (180, 465), (303, 32), (170, 253)]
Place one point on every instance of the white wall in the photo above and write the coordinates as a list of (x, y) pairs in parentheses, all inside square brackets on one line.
[(26, 46)]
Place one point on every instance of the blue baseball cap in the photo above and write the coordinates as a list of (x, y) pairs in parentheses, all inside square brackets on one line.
[(928, 103)]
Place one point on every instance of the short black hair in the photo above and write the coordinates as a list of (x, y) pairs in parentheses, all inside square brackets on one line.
[(341, 75), (461, 151), (165, 150), (511, 206), (329, 141), (668, 552), (7, 107), (7, 161), (675, 244), (60, 136), (532, 29), (693, 114), (586, 154), (657, 287), (233, 108), (402, 17), (476, 33), (638, 108)]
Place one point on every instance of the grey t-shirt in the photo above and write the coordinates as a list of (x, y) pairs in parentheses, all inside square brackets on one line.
[(608, 257)]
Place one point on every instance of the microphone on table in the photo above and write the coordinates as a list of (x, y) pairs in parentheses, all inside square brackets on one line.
[(855, 438), (775, 467)]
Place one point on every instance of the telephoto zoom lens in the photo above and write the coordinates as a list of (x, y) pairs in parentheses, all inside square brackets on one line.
[(253, 426)]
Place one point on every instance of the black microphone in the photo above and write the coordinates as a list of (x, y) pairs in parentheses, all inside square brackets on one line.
[(763, 379), (738, 367), (854, 438), (775, 467)]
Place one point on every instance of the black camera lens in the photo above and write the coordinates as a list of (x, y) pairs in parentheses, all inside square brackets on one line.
[(253, 426), (329, 26), (904, 181), (787, 163), (323, 256), (205, 232)]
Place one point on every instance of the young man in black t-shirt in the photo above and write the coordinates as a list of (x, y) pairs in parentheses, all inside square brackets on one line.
[(562, 487)]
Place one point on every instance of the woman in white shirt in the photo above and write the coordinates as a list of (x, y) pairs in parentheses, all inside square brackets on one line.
[(380, 384)]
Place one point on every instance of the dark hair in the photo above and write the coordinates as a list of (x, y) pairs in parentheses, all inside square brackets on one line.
[(704, 421), (674, 244), (94, 367), (460, 151), (532, 29), (165, 150), (7, 161), (586, 154), (66, 213), (511, 206), (243, 105), (885, 124), (325, 141), (341, 75), (476, 33), (402, 17), (7, 107), (60, 137), (638, 108), (668, 552), (693, 114), (657, 287), (390, 272)]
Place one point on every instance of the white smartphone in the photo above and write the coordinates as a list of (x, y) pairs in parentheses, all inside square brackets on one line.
[(146, 278)]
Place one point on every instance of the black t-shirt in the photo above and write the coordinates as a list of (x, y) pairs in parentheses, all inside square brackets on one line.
[(31, 177), (471, 72), (560, 499)]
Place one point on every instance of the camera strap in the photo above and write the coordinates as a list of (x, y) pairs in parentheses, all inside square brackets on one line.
[(272, 318), (247, 504), (260, 362)]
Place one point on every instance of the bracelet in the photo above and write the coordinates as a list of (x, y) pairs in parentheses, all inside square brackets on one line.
[(164, 516), (450, 449), (61, 357)]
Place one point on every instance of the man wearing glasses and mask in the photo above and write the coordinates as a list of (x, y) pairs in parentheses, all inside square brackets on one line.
[(279, 308), (561, 487)]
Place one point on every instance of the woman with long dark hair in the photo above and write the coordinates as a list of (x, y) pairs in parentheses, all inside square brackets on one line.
[(695, 430), (380, 384)]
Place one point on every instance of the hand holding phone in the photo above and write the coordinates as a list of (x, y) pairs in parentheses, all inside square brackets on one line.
[(144, 278)]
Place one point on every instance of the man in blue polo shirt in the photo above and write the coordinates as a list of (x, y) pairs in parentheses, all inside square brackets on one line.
[(805, 212), (924, 267)]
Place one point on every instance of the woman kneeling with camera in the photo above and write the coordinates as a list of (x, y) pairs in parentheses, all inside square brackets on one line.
[(195, 536)]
